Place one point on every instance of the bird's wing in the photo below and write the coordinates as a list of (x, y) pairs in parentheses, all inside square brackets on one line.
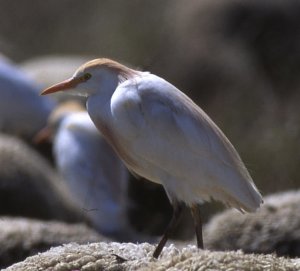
[(157, 120), (172, 138)]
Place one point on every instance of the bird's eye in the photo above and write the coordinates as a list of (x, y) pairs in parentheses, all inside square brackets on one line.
[(86, 76)]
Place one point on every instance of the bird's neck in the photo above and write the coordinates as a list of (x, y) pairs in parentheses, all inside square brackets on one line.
[(98, 104)]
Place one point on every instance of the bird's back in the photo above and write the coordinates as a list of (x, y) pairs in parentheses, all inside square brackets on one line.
[(173, 142)]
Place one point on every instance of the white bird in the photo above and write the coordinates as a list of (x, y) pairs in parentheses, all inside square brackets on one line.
[(163, 136), (90, 168), (22, 111)]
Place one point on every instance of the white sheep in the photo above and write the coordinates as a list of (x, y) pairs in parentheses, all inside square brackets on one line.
[(30, 187), (275, 228), (116, 256), (23, 237)]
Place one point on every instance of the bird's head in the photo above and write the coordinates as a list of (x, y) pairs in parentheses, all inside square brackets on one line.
[(94, 76), (55, 119)]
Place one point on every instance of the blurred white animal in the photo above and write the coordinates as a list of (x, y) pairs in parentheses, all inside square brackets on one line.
[(91, 170), (22, 111)]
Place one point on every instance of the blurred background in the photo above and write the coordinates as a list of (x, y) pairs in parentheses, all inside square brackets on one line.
[(238, 60)]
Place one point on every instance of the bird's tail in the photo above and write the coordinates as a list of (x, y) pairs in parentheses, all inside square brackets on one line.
[(246, 199)]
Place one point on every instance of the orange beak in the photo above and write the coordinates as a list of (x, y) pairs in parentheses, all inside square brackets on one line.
[(67, 84)]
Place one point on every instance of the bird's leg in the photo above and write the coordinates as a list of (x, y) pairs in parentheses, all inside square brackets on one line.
[(198, 224), (177, 210)]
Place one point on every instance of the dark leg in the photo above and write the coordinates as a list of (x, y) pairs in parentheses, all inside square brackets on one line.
[(177, 210), (198, 224)]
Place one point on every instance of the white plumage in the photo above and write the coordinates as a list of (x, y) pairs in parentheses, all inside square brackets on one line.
[(22, 111), (162, 135), (174, 143), (93, 173)]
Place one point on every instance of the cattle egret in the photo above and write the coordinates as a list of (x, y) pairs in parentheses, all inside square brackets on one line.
[(91, 170), (22, 111), (94, 174), (163, 136)]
